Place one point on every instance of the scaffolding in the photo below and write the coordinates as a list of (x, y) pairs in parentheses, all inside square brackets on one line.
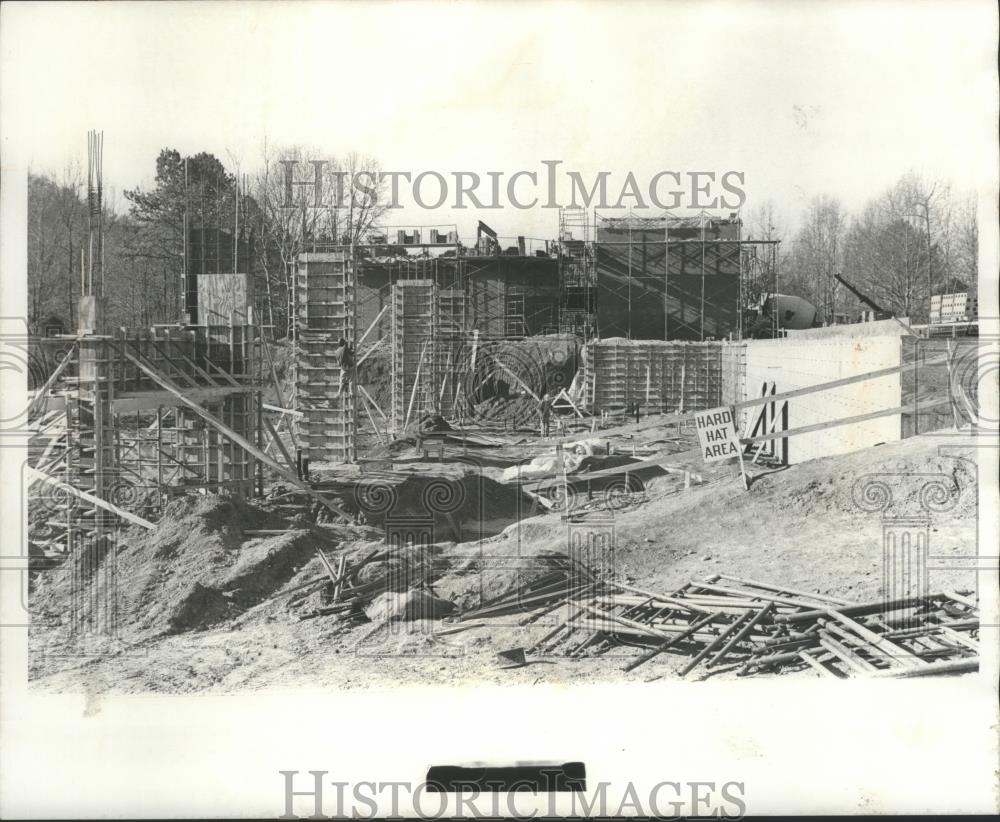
[(424, 313), (130, 419), (577, 274), (667, 277), (415, 363)]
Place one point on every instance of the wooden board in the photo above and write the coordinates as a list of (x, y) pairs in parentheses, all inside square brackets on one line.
[(224, 297)]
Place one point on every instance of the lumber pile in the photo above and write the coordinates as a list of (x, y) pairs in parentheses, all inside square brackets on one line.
[(348, 589), (569, 578), (729, 624)]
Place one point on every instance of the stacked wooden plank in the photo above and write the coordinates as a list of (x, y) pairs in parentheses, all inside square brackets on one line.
[(726, 624)]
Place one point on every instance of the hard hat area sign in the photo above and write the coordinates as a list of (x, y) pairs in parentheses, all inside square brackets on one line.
[(717, 434)]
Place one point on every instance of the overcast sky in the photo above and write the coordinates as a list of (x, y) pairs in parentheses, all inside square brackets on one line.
[(802, 97)]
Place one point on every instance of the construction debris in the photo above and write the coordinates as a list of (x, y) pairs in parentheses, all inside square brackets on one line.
[(731, 624), (468, 464)]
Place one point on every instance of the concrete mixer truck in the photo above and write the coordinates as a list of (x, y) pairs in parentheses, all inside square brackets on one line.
[(779, 312)]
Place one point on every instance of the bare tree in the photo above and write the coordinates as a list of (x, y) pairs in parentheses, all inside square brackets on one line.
[(964, 258), (283, 226), (929, 204), (71, 219), (46, 275), (886, 258), (288, 219), (902, 245), (366, 203), (818, 253)]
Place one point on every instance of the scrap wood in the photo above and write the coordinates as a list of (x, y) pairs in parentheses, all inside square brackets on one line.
[(329, 568), (846, 655), (566, 627), (863, 609), (962, 600), (740, 635), (719, 640), (552, 606), (640, 627), (750, 583), (659, 649), (957, 666), (872, 652), (517, 602), (276, 440), (892, 650), (341, 576), (759, 626), (680, 602), (765, 595), (815, 662)]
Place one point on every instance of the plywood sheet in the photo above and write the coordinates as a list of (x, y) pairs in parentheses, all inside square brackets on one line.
[(224, 298)]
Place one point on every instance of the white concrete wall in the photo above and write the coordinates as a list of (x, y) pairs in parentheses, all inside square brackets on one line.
[(798, 363)]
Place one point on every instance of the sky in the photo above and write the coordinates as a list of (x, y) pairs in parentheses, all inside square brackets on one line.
[(802, 98)]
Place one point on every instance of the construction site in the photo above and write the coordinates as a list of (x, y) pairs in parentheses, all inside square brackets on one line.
[(621, 452)]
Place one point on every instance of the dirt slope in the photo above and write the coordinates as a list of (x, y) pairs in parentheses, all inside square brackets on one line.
[(810, 526)]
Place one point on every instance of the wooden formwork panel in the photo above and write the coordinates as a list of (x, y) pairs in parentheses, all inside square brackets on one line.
[(669, 377), (734, 374), (325, 311), (224, 298)]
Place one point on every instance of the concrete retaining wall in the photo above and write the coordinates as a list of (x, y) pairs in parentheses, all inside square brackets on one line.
[(799, 363)]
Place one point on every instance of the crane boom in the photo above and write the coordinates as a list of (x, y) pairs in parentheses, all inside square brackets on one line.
[(861, 296)]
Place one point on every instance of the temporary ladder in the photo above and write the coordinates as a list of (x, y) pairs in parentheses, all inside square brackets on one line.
[(514, 317)]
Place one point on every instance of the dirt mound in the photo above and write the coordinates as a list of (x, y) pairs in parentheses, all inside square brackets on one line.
[(194, 570), (197, 608), (407, 606), (455, 509), (902, 482), (481, 572)]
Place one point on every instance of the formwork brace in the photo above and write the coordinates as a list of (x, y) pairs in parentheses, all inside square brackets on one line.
[(248, 446)]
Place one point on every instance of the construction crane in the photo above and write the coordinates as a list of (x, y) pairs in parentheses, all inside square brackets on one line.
[(880, 312)]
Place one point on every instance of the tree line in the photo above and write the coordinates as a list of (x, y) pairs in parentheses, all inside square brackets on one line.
[(916, 239), (144, 237)]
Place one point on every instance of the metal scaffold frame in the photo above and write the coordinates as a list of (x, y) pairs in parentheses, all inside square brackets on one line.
[(638, 266), (577, 273)]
